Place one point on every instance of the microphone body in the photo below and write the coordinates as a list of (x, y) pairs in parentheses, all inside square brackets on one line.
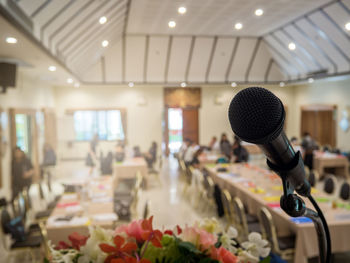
[(257, 116)]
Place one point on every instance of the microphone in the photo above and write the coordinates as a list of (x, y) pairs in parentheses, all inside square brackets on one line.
[(257, 116)]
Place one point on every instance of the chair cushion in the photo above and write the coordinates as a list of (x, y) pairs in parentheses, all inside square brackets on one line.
[(31, 241), (286, 242), (252, 218), (254, 227)]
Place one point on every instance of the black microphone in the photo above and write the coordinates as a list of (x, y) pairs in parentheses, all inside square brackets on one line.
[(257, 116)]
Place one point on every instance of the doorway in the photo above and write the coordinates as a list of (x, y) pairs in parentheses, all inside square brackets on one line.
[(320, 122)]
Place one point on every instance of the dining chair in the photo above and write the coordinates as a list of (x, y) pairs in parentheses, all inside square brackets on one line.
[(345, 191), (283, 246), (226, 199)]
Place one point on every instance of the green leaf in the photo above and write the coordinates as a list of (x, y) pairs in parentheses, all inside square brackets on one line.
[(266, 260), (188, 247), (46, 260)]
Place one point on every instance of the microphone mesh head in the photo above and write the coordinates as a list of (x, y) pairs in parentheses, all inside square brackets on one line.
[(256, 115)]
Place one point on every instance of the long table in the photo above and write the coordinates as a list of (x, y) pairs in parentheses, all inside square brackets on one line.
[(129, 168), (326, 160), (91, 206), (257, 187)]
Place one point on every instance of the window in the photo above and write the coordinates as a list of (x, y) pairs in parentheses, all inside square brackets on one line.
[(107, 124), (23, 132)]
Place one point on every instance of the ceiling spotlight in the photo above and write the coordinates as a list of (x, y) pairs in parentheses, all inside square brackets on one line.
[(183, 84), (69, 81), (52, 68), (172, 24), (105, 43), (131, 84), (310, 80), (347, 26), (182, 10), (282, 84), (102, 20), (238, 26), (11, 40), (233, 84), (292, 46), (77, 85), (259, 12)]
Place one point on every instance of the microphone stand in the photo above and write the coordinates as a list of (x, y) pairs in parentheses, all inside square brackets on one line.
[(294, 206)]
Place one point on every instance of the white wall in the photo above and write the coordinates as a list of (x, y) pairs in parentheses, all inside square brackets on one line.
[(331, 92), (144, 122), (29, 94)]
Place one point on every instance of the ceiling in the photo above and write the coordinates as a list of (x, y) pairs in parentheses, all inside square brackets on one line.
[(204, 47)]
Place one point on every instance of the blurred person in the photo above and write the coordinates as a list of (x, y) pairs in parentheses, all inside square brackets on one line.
[(91, 158), (151, 155), (308, 145), (239, 153), (106, 164), (214, 145), (49, 155), (296, 145), (183, 148), (192, 148), (22, 171), (225, 146), (136, 152), (195, 160), (119, 153)]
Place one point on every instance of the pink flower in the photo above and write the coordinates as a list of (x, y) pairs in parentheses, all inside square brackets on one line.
[(134, 229), (223, 255), (201, 238)]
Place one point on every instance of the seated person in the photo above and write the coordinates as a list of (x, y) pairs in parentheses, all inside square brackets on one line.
[(309, 145), (195, 160), (49, 155), (119, 152), (183, 148), (214, 145), (106, 164), (188, 156), (225, 146), (136, 152), (151, 155), (239, 153)]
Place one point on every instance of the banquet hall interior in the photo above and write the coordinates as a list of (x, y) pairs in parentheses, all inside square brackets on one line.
[(116, 111)]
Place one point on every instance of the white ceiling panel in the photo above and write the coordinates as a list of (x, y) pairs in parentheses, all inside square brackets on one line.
[(221, 59), (310, 46), (275, 73), (180, 49), (339, 15), (113, 62), (241, 60), (320, 40), (135, 57), (156, 59), (200, 58), (94, 73), (332, 32), (49, 11), (260, 63), (31, 6), (299, 52), (346, 3)]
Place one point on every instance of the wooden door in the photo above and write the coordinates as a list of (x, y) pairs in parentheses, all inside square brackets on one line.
[(320, 122), (190, 128)]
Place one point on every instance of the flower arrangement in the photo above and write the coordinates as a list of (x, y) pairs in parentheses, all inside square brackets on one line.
[(138, 242)]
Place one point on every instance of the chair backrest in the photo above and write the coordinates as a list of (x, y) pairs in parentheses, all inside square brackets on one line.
[(312, 179), (268, 228), (43, 232), (240, 216), (227, 204), (345, 191), (329, 185), (210, 186)]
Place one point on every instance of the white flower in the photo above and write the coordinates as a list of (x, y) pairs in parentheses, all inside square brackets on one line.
[(210, 225), (256, 246), (227, 242), (63, 256), (91, 251)]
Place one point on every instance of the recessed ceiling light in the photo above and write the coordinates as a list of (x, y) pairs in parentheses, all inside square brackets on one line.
[(102, 20), (233, 84), (11, 40), (347, 26), (183, 84), (182, 10), (172, 24), (76, 85), (282, 84), (259, 12), (310, 80), (69, 81), (238, 26), (105, 43), (131, 84), (292, 46), (52, 68)]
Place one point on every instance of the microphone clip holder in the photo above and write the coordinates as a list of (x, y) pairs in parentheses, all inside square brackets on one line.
[(294, 205)]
